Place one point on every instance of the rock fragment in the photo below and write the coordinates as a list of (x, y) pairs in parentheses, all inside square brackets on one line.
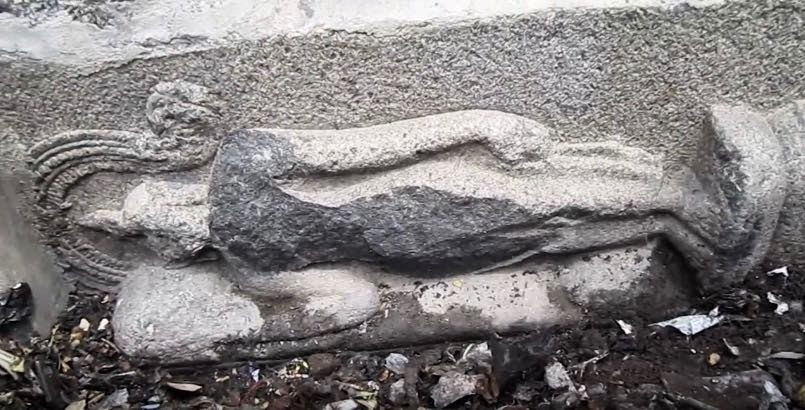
[(396, 363), (454, 386), (397, 392)]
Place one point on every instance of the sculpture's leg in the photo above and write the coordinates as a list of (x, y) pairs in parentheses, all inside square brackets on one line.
[(742, 169), (310, 302), (788, 245)]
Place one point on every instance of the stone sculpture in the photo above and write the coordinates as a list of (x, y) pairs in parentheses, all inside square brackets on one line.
[(181, 120), (311, 223)]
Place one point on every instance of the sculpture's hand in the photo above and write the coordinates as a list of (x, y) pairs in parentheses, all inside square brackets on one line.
[(514, 139)]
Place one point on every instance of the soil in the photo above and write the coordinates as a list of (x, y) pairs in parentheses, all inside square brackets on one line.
[(653, 367)]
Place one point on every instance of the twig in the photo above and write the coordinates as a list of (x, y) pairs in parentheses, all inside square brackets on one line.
[(583, 365), (690, 402), (110, 344)]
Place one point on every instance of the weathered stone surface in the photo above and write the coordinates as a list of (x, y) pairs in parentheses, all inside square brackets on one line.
[(742, 168), (180, 314), (183, 136), (788, 124), (582, 72), (87, 33), (472, 189), (24, 259), (184, 326), (312, 224), (172, 216)]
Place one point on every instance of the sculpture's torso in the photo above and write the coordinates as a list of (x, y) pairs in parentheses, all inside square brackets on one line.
[(423, 228)]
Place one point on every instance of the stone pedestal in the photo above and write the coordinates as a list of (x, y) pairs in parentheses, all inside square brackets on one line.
[(195, 313)]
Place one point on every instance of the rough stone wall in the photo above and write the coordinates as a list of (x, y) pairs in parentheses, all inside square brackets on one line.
[(646, 74), (24, 259)]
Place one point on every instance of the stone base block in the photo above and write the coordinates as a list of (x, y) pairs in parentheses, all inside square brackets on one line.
[(197, 314)]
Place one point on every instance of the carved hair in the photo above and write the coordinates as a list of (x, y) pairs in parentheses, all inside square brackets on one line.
[(183, 136)]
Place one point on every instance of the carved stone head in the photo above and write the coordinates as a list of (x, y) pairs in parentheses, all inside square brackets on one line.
[(183, 114)]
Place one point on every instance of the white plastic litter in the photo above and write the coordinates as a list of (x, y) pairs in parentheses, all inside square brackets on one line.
[(779, 271), (782, 307), (692, 324), (627, 328)]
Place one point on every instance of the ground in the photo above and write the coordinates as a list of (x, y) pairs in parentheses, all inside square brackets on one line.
[(651, 368)]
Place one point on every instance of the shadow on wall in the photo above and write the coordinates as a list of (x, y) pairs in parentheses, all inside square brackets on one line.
[(24, 259)]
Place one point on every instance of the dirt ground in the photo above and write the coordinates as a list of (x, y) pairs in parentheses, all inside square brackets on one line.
[(752, 359)]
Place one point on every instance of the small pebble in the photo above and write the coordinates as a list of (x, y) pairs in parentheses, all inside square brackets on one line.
[(322, 364), (713, 359)]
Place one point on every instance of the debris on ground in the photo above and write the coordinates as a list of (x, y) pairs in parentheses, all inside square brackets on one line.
[(15, 304), (692, 324), (783, 270), (752, 359), (454, 386), (186, 387), (734, 350), (343, 405), (397, 392), (713, 359), (322, 364), (627, 328), (396, 363), (786, 356), (117, 399), (557, 378), (782, 307), (11, 364)]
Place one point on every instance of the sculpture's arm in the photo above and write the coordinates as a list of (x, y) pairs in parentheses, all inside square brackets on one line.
[(511, 138)]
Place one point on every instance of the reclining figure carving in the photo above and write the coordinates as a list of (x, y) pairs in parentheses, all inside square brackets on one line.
[(459, 192)]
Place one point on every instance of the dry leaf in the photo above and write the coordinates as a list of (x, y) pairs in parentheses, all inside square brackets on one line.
[(786, 356), (782, 307), (627, 328), (779, 271), (733, 349), (104, 323), (84, 325), (188, 387), (77, 405)]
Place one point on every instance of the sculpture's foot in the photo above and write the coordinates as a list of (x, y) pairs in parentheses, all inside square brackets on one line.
[(310, 302), (185, 313), (180, 314), (194, 313)]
